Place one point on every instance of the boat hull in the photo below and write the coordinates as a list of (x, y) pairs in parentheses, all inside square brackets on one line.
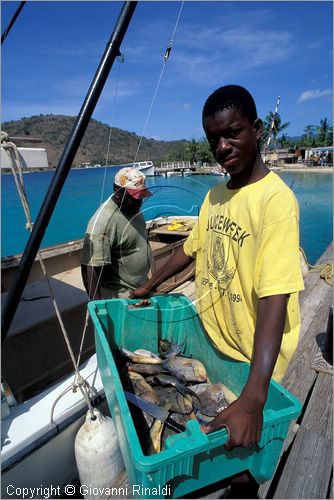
[(146, 167)]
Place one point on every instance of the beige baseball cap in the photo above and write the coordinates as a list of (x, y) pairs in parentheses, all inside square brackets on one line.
[(133, 181)]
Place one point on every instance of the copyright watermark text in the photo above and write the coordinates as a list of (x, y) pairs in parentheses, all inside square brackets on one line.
[(39, 492), (86, 490)]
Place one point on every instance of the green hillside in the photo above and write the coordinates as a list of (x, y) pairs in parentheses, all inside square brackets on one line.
[(54, 130)]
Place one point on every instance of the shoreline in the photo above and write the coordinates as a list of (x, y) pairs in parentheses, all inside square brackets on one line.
[(323, 170)]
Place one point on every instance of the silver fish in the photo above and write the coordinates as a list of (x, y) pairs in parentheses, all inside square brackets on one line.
[(186, 369), (141, 358), (142, 388), (169, 380), (212, 398), (146, 369), (180, 403)]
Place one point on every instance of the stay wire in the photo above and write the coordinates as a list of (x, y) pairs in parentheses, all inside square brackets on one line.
[(111, 130), (166, 57)]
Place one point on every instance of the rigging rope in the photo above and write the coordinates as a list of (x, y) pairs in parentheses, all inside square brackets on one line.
[(16, 167), (326, 270), (120, 60), (165, 59)]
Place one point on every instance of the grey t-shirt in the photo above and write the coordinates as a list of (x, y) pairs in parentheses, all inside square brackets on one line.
[(118, 242)]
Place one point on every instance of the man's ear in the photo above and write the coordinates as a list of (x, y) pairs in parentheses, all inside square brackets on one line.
[(258, 126)]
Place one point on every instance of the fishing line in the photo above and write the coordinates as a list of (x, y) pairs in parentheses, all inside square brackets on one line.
[(111, 128), (165, 59)]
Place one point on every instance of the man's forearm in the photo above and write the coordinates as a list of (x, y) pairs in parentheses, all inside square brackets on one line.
[(174, 265), (271, 315)]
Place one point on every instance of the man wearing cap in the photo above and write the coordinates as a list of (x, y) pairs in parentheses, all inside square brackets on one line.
[(116, 255)]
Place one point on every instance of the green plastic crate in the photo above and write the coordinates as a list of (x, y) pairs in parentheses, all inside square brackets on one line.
[(192, 459)]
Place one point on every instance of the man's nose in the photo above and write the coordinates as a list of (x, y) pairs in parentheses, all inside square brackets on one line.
[(223, 144)]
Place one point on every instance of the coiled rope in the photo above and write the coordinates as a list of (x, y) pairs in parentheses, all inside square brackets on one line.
[(325, 270), (16, 168)]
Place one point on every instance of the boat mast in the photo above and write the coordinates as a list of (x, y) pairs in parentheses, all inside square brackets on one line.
[(111, 52), (271, 129)]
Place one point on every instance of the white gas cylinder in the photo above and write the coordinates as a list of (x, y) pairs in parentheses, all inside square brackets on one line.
[(97, 455)]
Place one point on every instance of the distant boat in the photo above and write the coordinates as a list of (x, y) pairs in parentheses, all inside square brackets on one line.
[(219, 172), (146, 167), (173, 173)]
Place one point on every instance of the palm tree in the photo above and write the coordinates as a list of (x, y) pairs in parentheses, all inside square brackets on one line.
[(309, 136), (310, 130), (205, 154), (273, 126), (192, 150), (284, 141), (324, 135)]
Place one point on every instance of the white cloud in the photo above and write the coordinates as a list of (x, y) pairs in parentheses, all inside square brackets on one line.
[(313, 94), (227, 53)]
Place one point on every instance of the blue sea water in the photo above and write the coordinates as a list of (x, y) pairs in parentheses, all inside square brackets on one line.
[(85, 189)]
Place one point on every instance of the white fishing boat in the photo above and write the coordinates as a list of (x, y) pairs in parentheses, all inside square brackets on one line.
[(173, 173), (146, 167), (219, 172)]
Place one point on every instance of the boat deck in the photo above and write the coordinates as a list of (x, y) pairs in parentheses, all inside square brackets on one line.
[(306, 463)]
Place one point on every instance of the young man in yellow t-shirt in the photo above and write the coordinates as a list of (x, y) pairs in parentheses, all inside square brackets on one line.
[(246, 246)]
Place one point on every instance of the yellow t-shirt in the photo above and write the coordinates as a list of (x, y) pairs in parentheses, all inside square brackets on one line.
[(246, 245)]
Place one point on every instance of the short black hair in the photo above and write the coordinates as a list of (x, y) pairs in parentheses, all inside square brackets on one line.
[(230, 96)]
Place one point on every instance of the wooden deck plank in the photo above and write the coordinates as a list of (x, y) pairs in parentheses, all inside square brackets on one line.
[(330, 489), (321, 365), (299, 376), (308, 468), (318, 421), (311, 307), (122, 488), (312, 278), (319, 412)]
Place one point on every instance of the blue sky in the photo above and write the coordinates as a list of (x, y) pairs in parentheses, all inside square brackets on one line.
[(272, 48)]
